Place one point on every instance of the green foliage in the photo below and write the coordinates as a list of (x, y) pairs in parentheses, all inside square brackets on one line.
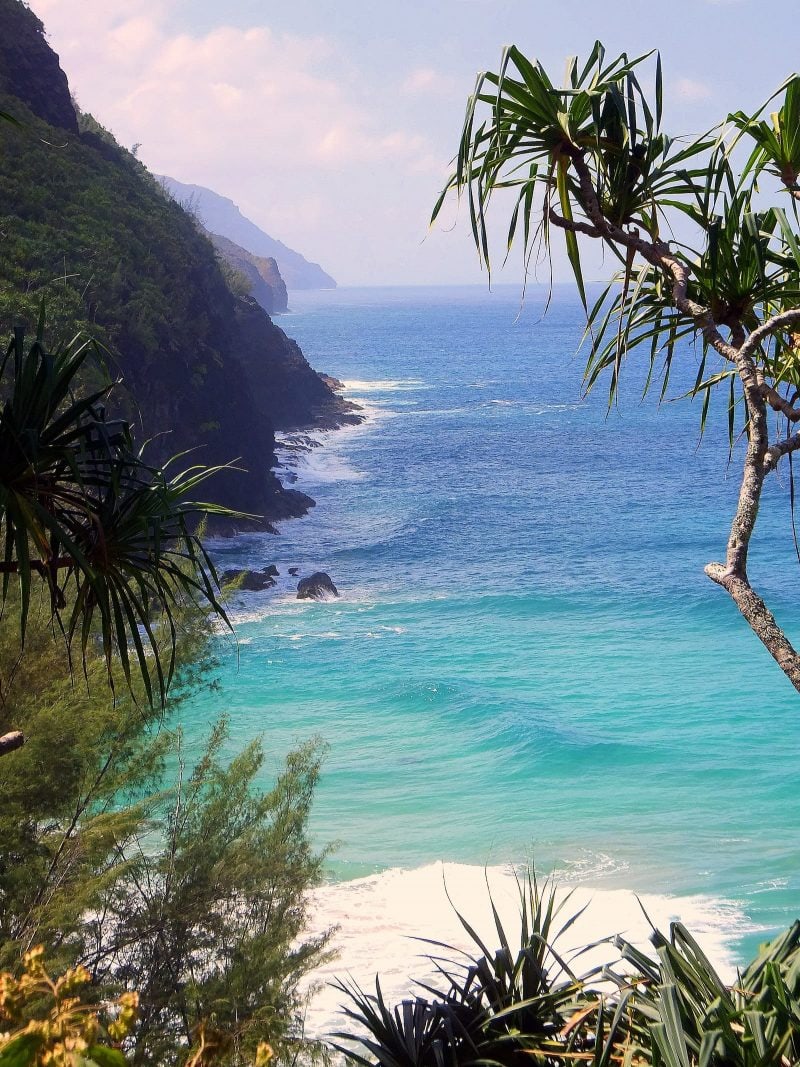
[(667, 1010), (208, 929), (492, 1009), (592, 161), (236, 280), (163, 871), (81, 786), (110, 533), (87, 230), (54, 1024)]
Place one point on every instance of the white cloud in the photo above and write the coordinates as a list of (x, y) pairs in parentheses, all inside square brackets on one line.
[(692, 89), (270, 119), (427, 81)]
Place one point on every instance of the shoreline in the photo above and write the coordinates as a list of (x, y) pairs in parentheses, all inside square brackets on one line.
[(384, 921), (382, 913), (294, 449)]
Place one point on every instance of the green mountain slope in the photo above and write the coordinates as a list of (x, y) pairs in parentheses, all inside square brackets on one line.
[(86, 228)]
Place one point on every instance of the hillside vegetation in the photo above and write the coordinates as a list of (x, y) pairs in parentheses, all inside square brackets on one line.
[(86, 229)]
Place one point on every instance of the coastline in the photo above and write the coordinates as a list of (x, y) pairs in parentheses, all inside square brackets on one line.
[(386, 921), (305, 457), (382, 918)]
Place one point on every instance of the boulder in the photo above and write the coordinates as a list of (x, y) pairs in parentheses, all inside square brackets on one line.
[(294, 571), (317, 586), (251, 581)]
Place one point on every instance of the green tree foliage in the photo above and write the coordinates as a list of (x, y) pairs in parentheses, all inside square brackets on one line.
[(162, 869), (590, 161), (208, 929), (89, 231), (46, 1021), (81, 785), (111, 535)]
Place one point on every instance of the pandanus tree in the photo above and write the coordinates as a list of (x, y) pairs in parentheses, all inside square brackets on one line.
[(591, 162), (107, 536)]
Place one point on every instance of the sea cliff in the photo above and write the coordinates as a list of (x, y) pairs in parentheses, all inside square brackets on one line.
[(89, 233)]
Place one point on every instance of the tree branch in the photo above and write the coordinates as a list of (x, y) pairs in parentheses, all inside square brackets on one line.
[(781, 448), (571, 224), (776, 401), (769, 327), (762, 621), (655, 252), (741, 350)]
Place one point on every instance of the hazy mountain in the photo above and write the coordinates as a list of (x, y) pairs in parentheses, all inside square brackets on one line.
[(220, 215)]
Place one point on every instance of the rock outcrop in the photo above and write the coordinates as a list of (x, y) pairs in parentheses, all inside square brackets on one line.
[(251, 581), (206, 370), (30, 70), (317, 586), (267, 287)]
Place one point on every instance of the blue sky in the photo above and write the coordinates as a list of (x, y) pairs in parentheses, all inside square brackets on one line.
[(331, 122)]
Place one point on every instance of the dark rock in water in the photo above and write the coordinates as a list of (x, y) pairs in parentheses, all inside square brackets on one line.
[(252, 581), (294, 571), (317, 586)]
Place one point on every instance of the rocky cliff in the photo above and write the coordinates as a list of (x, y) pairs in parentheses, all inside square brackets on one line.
[(86, 228), (264, 280), (29, 68)]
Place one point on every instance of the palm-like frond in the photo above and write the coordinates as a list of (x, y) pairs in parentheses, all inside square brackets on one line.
[(594, 152), (111, 535)]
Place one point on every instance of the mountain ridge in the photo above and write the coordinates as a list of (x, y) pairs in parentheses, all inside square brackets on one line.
[(264, 281), (220, 215)]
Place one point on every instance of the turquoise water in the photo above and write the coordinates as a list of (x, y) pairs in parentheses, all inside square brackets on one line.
[(527, 659)]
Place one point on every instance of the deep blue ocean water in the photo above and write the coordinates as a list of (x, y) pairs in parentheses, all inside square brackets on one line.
[(527, 659)]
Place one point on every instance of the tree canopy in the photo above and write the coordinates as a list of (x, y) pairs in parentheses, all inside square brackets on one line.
[(591, 161)]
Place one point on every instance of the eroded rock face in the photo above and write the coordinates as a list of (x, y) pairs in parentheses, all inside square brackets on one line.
[(317, 586), (29, 68), (267, 287)]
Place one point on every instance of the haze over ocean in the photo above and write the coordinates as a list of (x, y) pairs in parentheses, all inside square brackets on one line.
[(527, 659)]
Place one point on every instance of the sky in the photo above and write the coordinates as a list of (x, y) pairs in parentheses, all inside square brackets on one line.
[(332, 123)]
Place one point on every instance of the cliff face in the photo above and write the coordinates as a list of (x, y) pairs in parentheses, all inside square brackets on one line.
[(87, 229), (29, 68), (221, 216), (266, 285)]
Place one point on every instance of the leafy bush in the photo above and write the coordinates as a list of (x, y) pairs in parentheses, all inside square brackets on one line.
[(53, 1023), (159, 867)]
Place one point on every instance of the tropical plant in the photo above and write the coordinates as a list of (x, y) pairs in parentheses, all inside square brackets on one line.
[(505, 1006), (591, 161), (208, 927), (670, 1009), (111, 536), (158, 863), (54, 1022)]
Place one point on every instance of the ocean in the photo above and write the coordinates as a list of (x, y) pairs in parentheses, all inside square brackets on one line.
[(526, 663)]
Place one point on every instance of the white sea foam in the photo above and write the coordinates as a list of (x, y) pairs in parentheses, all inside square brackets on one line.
[(385, 385), (381, 918)]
